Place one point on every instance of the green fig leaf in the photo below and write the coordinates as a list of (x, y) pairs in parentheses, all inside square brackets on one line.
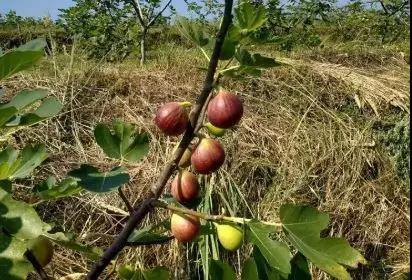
[(148, 235), (126, 272), (277, 254), (19, 219), (6, 186), (13, 264), (221, 271), (248, 17), (249, 270), (14, 113), (228, 49), (50, 189), (124, 143), (13, 165), (91, 179), (302, 225), (300, 268), (68, 241), (254, 60)]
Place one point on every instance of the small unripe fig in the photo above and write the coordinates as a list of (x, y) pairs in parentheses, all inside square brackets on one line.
[(185, 159), (185, 187), (42, 249), (230, 236), (172, 118), (215, 131), (185, 228), (208, 156), (225, 110)]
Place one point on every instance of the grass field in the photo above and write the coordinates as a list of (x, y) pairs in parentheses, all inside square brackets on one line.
[(315, 131)]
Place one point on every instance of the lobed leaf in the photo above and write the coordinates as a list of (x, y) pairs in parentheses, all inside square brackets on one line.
[(13, 264), (50, 189), (91, 179), (302, 225), (68, 240), (126, 272), (277, 254), (13, 165), (124, 143), (21, 58), (221, 271), (250, 17)]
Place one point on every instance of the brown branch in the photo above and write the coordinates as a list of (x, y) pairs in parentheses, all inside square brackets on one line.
[(37, 266), (141, 211), (138, 10), (125, 200), (153, 20)]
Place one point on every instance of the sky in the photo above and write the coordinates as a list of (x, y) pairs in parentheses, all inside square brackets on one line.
[(40, 8)]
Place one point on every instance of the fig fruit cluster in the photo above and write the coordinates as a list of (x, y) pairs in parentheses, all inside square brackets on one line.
[(205, 157)]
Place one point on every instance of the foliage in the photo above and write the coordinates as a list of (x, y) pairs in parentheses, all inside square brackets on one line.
[(397, 141), (20, 223), (105, 28)]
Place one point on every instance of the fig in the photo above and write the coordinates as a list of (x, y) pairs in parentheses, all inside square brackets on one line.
[(185, 228), (172, 118), (230, 236), (185, 187), (208, 156), (215, 131), (42, 249), (225, 110), (185, 159)]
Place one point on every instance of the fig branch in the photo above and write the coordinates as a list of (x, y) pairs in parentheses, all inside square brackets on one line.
[(37, 266), (209, 217), (140, 211)]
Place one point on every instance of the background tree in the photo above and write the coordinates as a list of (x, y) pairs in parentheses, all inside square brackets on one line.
[(147, 13)]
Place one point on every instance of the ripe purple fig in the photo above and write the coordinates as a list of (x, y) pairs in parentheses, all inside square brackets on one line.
[(225, 110), (172, 118), (185, 228), (185, 187), (208, 156)]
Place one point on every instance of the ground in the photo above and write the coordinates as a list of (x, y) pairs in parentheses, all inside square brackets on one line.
[(314, 132)]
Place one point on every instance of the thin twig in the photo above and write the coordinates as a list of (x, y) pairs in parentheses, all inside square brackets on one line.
[(209, 217), (125, 200), (37, 266), (145, 207)]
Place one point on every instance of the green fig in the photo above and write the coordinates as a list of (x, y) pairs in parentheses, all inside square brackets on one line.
[(42, 249), (214, 130), (229, 235)]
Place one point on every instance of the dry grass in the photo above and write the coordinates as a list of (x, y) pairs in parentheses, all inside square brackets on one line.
[(302, 139)]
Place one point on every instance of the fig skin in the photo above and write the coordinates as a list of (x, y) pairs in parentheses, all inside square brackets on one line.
[(225, 110), (172, 118), (42, 249), (215, 131), (230, 236), (185, 228), (185, 187), (208, 156)]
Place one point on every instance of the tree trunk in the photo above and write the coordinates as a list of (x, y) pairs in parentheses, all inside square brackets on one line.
[(143, 46)]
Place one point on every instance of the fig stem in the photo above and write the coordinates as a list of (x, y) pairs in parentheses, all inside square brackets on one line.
[(125, 200), (186, 103), (209, 217)]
